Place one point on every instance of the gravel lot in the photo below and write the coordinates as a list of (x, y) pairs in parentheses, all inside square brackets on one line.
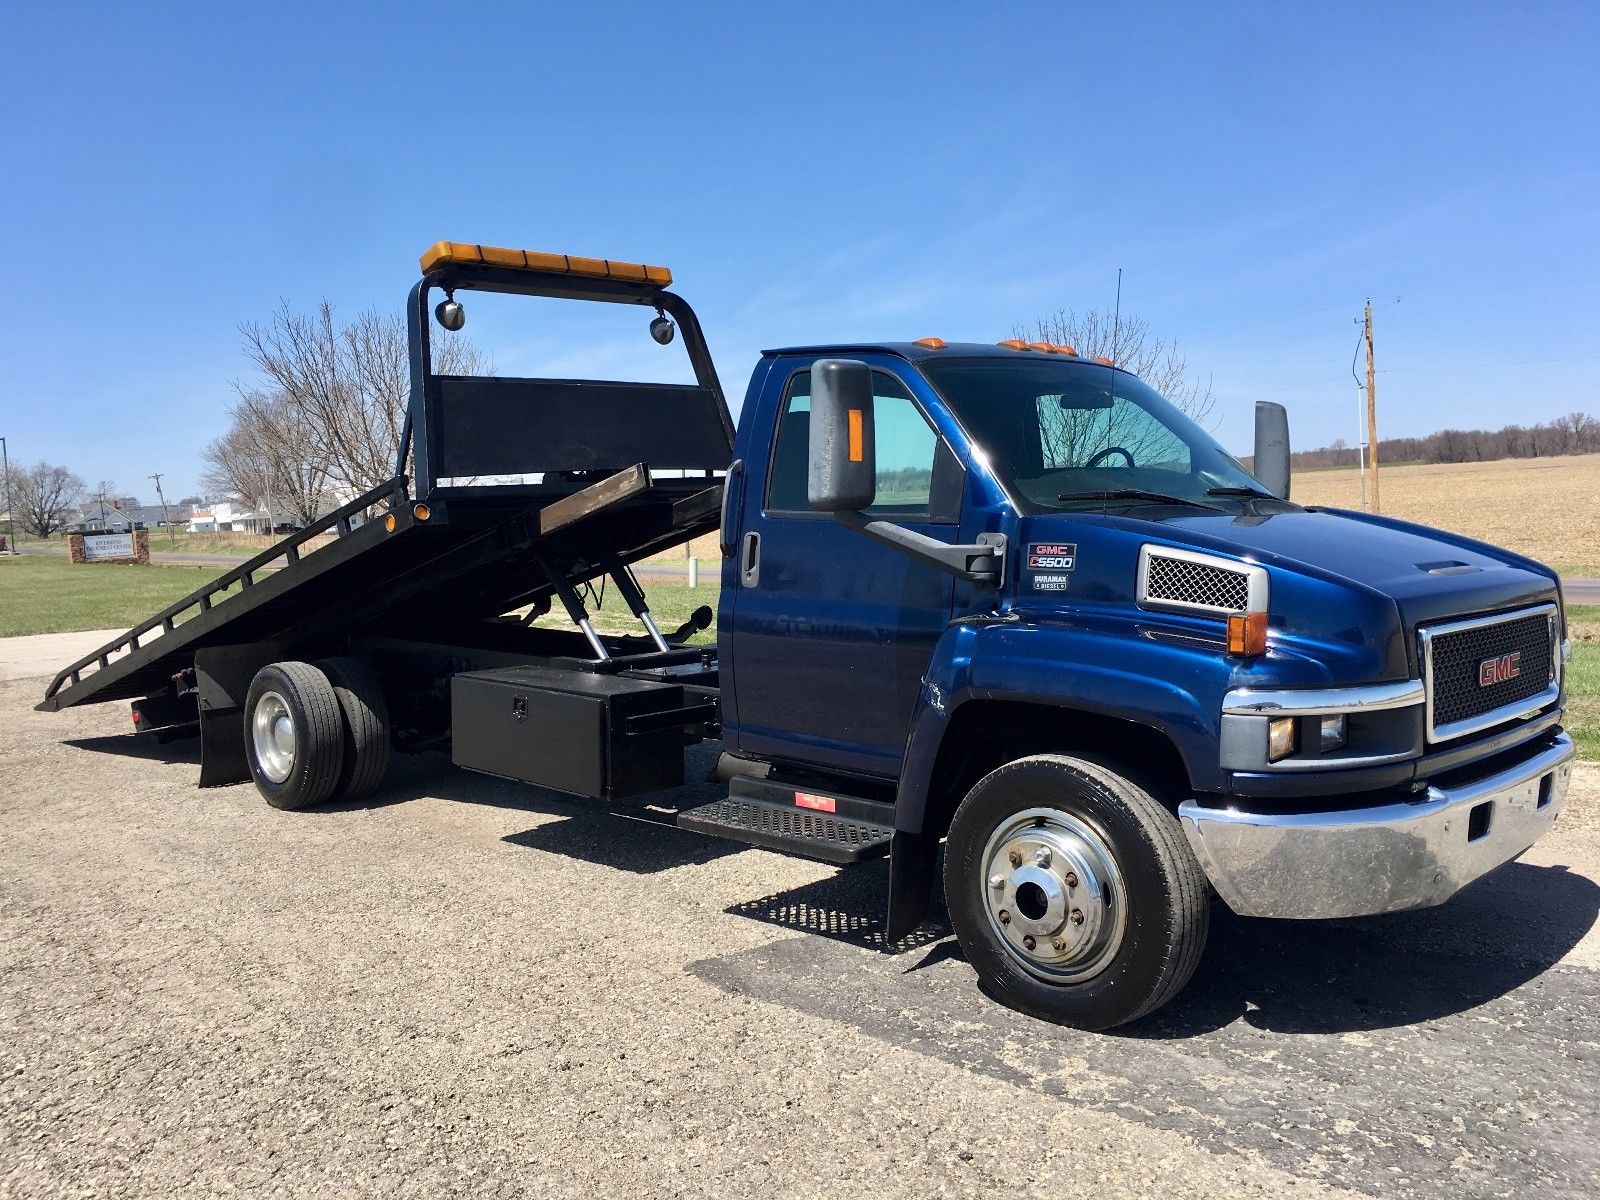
[(474, 988)]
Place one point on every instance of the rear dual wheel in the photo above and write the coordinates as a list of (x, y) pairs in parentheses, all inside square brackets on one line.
[(316, 732)]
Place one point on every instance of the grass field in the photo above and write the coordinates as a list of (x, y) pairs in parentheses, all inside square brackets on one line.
[(1583, 679), (1541, 507), (40, 594), (173, 540)]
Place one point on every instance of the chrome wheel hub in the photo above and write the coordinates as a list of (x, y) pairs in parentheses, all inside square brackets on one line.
[(272, 734), (1054, 895)]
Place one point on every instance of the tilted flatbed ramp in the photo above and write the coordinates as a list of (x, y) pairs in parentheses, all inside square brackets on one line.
[(611, 473)]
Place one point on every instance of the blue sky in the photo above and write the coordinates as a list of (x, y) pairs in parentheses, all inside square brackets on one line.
[(815, 172)]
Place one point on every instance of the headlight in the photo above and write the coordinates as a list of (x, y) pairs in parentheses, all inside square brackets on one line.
[(1335, 733), (1280, 738)]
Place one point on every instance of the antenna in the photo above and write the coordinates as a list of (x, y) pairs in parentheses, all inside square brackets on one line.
[(1116, 318)]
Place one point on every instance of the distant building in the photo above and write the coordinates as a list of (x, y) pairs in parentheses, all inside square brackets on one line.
[(227, 517)]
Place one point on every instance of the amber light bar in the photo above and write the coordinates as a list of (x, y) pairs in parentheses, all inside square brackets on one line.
[(447, 254)]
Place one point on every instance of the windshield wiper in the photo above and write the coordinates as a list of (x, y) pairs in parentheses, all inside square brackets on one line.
[(1241, 490), (1137, 494)]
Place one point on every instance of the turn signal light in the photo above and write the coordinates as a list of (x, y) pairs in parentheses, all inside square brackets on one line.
[(446, 254), (1247, 634)]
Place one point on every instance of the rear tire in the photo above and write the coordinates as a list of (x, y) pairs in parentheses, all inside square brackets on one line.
[(293, 735), (366, 726), (1074, 893)]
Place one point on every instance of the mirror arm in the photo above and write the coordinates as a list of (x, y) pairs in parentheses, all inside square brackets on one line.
[(983, 563)]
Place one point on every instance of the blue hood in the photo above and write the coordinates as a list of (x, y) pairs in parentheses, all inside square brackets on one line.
[(1430, 574)]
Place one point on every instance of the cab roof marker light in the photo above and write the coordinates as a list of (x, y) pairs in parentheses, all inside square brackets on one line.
[(1063, 348), (930, 343), (446, 254), (1042, 347), (1013, 344), (1101, 358)]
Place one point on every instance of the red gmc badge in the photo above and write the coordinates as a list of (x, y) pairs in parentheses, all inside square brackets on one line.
[(1499, 670)]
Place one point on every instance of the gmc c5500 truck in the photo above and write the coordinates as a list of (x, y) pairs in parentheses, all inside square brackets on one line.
[(999, 612)]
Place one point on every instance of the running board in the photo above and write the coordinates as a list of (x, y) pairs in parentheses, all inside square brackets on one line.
[(835, 829)]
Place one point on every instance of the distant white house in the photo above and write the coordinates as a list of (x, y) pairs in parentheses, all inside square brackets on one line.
[(227, 517)]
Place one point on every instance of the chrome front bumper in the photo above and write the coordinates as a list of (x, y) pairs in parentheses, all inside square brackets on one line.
[(1354, 862)]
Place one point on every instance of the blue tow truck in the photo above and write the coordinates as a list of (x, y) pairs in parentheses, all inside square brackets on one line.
[(1000, 612)]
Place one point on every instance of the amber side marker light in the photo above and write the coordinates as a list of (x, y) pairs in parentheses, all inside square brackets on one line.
[(389, 523), (422, 512), (1247, 634)]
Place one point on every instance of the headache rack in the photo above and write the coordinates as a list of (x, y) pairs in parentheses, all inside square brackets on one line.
[(601, 474)]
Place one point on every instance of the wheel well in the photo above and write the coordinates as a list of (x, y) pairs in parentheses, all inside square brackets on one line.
[(987, 734)]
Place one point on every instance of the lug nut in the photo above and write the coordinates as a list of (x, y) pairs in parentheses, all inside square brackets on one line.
[(1028, 942), (1071, 879), (1016, 858), (997, 882), (1042, 856), (1058, 945), (1077, 916), (1005, 917)]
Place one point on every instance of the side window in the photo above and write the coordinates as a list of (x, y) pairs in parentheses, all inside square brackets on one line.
[(907, 449)]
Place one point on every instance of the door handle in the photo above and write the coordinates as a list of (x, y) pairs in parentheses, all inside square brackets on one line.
[(750, 560)]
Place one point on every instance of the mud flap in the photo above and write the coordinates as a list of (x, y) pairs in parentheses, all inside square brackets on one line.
[(913, 862), (222, 676)]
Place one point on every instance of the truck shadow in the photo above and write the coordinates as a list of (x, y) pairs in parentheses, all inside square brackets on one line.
[(1382, 972), (593, 831), (1314, 977), (141, 745)]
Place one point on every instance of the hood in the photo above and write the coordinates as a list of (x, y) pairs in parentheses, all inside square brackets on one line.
[(1429, 573)]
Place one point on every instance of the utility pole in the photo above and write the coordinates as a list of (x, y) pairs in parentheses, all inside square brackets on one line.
[(163, 500), (1372, 411), (11, 520)]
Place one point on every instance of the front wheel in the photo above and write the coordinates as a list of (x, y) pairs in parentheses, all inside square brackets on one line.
[(1074, 893)]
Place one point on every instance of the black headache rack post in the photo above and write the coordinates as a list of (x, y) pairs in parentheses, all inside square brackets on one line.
[(602, 474)]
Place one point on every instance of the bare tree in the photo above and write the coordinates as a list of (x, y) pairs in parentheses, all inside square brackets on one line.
[(44, 497), (270, 456), (1131, 344), (346, 386)]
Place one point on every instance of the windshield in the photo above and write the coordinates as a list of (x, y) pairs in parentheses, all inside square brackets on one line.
[(1071, 435)]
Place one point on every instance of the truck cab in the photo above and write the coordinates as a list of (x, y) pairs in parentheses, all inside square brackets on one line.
[(1343, 714)]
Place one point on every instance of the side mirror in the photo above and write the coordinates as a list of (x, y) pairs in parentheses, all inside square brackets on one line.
[(1272, 448), (843, 475)]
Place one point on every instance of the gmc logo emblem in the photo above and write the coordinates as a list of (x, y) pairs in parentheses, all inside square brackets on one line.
[(1499, 670)]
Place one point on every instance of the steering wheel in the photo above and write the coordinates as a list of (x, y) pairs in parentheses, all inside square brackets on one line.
[(1107, 453)]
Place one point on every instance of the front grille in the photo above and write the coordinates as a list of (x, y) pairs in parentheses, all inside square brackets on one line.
[(1193, 584), (1465, 663)]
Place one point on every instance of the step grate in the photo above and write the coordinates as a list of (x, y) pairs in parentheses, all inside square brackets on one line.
[(791, 830)]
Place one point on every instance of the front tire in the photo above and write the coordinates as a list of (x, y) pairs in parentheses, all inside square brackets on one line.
[(293, 735), (1074, 892)]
